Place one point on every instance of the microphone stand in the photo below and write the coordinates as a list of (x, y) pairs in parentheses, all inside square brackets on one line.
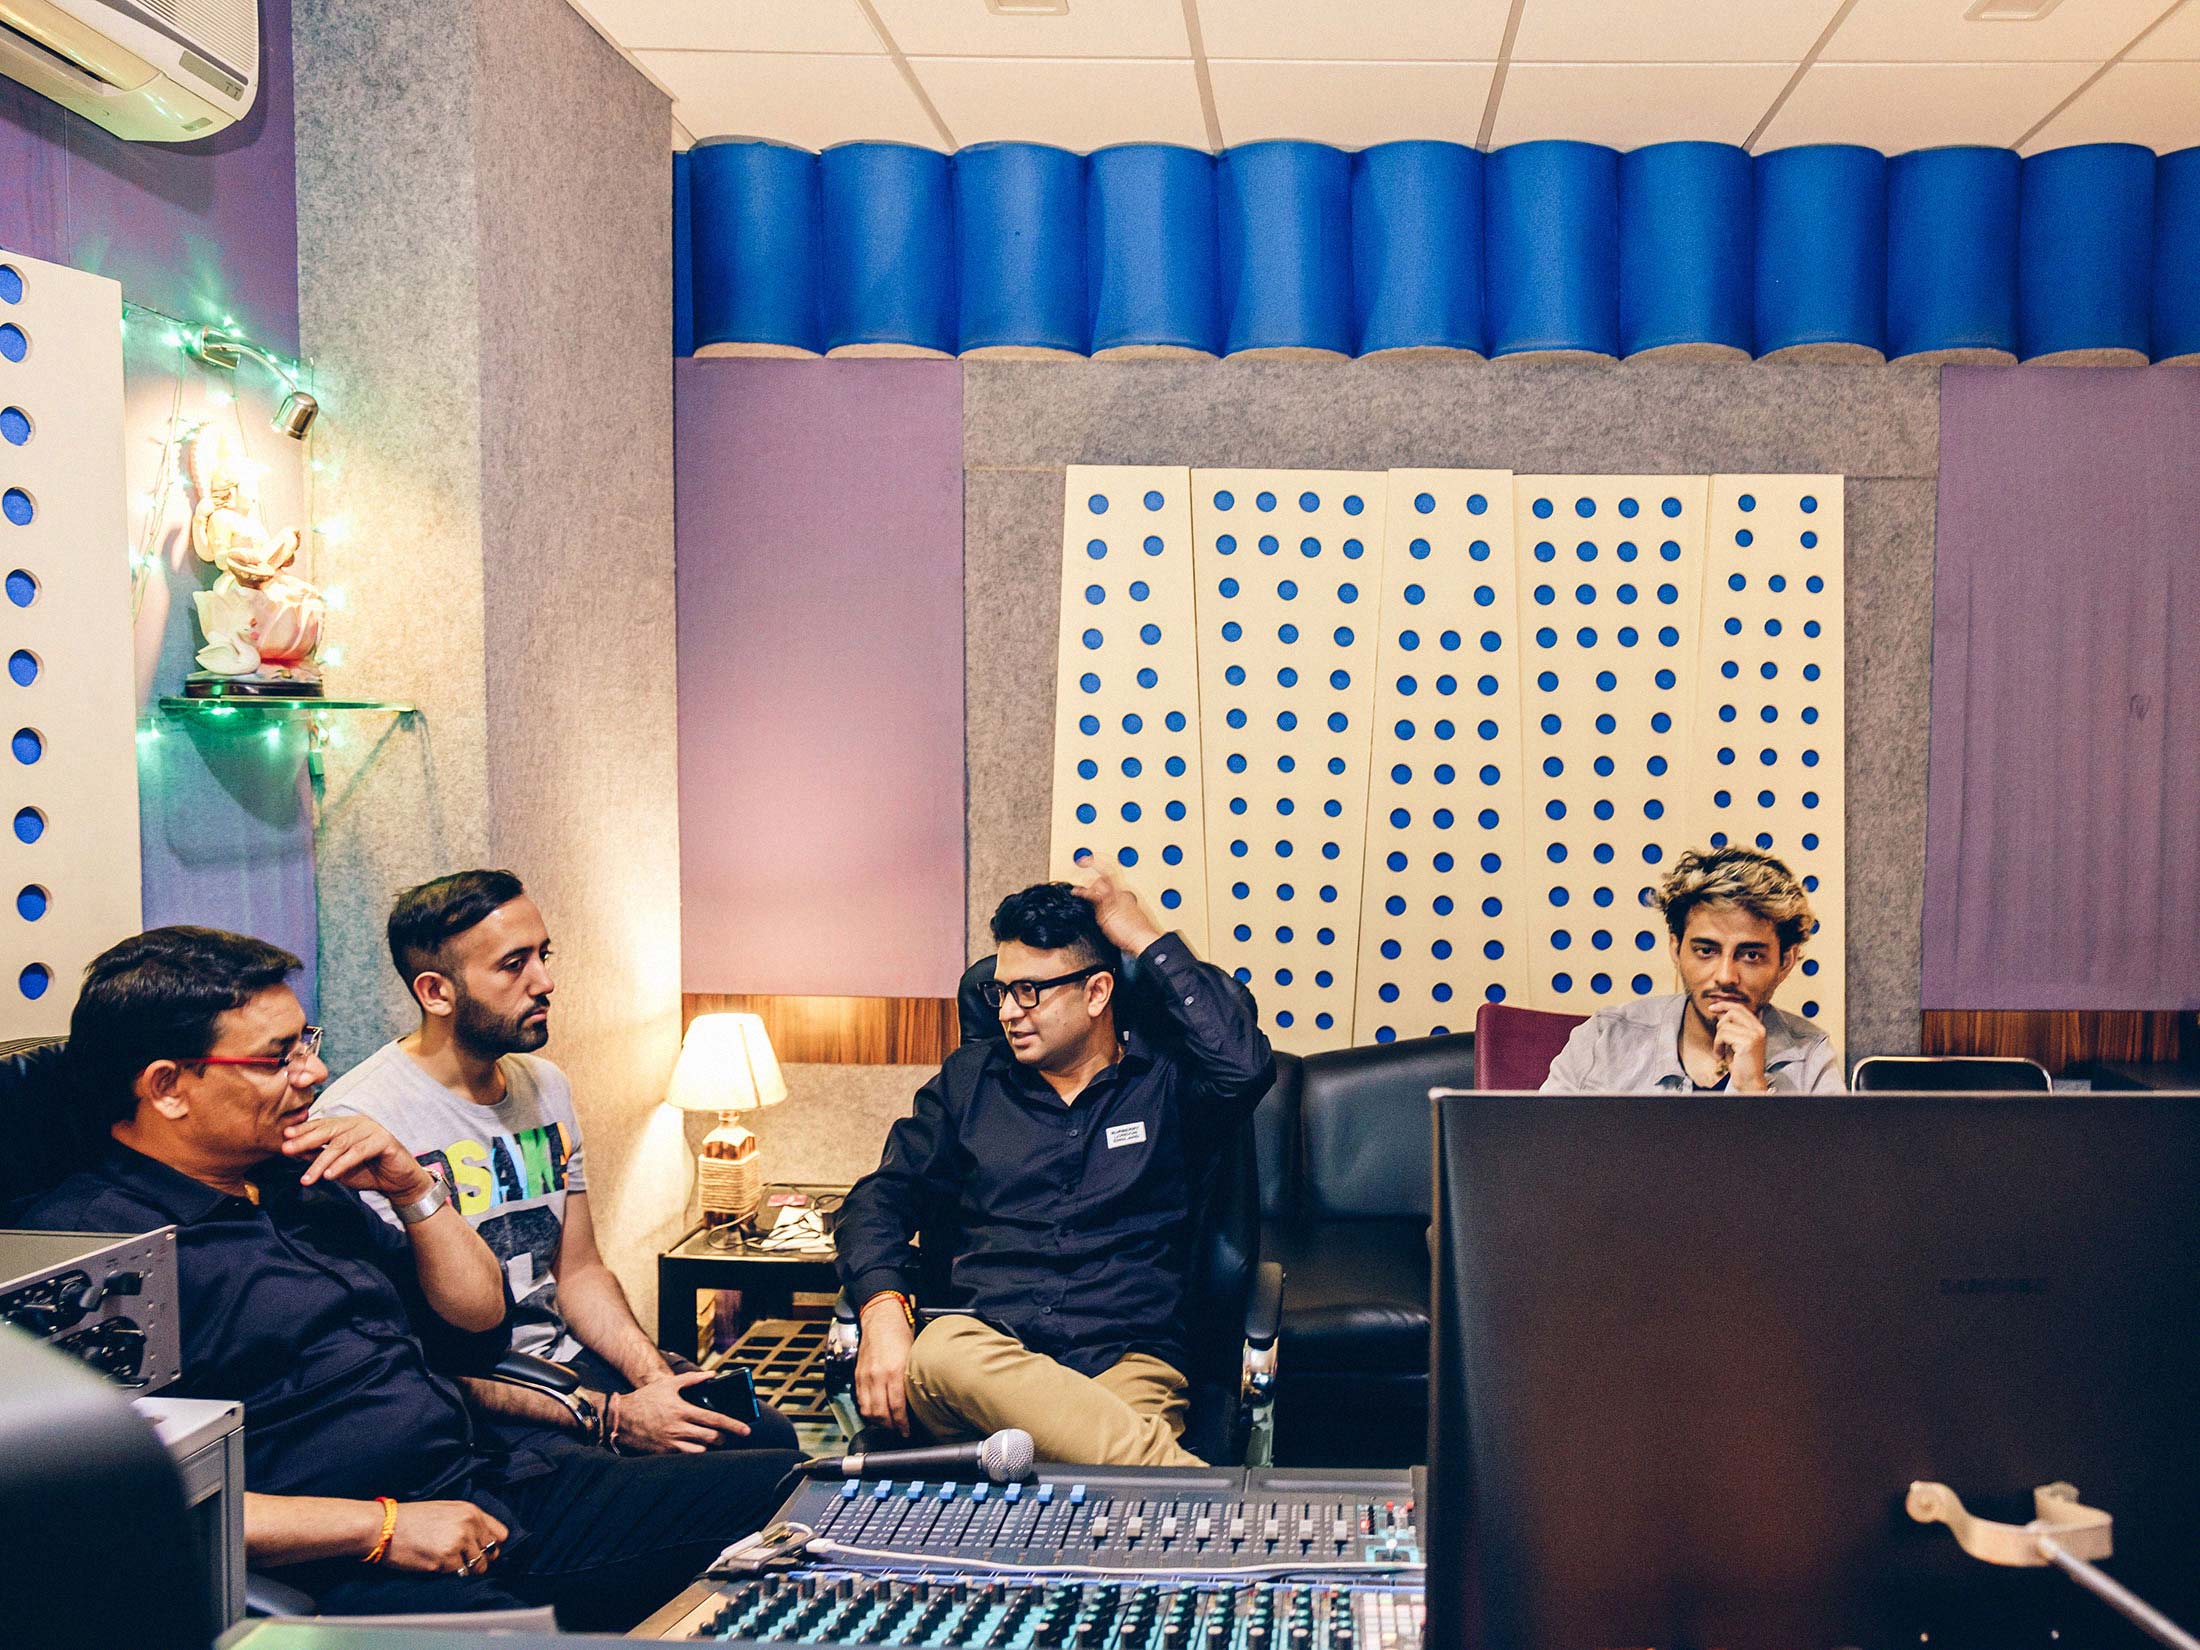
[(2064, 1534)]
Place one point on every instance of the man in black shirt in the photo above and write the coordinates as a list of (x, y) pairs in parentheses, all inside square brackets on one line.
[(370, 1487), (1069, 1157)]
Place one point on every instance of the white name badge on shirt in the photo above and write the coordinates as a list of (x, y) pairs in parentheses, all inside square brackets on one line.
[(1126, 1134)]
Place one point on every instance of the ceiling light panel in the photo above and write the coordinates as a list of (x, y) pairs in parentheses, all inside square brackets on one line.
[(739, 26), (1078, 103), (1091, 28), (1404, 31), (1936, 31), (1629, 105), (2157, 104), (1349, 104), (1669, 31), (793, 97), (1897, 107)]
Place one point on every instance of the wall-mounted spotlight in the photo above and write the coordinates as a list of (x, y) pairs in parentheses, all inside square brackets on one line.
[(225, 349)]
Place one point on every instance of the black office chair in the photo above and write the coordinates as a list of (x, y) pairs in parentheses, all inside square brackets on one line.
[(1969, 1073), (50, 1139), (1234, 1306)]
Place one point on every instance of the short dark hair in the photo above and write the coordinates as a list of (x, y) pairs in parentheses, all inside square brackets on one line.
[(156, 996), (1743, 879), (427, 918), (1049, 916)]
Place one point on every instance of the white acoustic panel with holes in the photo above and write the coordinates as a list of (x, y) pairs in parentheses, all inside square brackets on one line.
[(1611, 571), (1442, 926), (1766, 757), (1289, 569), (69, 858), (1126, 747)]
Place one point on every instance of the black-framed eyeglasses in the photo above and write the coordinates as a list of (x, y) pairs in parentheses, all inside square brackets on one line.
[(306, 1048), (1026, 992)]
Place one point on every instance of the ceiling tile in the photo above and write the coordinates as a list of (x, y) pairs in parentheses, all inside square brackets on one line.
[(1936, 31), (1669, 31), (1092, 28), (1401, 31), (1350, 104), (1079, 103), (2157, 104), (737, 25), (2177, 40), (1629, 105), (1902, 106), (796, 98)]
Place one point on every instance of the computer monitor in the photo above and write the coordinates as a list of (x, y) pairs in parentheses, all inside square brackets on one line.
[(1690, 1352)]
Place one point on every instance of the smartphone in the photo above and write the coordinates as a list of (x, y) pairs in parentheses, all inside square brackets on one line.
[(731, 1393)]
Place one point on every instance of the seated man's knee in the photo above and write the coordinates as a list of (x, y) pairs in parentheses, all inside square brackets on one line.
[(940, 1357), (770, 1430)]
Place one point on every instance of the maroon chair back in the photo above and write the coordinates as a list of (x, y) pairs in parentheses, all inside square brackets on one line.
[(1514, 1047)]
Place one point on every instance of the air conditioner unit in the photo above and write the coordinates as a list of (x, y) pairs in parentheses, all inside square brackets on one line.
[(154, 71)]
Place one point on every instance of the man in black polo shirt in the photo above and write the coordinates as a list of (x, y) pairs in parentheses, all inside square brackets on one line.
[(369, 1487), (1070, 1157)]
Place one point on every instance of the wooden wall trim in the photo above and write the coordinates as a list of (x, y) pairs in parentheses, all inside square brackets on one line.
[(2057, 1038), (849, 1031)]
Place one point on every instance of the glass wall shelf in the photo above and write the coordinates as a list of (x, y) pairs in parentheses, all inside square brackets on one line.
[(176, 705)]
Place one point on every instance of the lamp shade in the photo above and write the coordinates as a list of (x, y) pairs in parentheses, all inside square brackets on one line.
[(726, 1064)]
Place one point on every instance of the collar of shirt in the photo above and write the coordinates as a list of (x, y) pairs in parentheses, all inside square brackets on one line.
[(1026, 1081), (185, 1199)]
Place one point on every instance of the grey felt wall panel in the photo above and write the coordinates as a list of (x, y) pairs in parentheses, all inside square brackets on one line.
[(1878, 426)]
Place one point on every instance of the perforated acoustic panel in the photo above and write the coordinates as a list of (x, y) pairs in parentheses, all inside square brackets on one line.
[(1126, 754), (1452, 725), (69, 859), (1611, 577), (1289, 569), (1769, 724), (1441, 924)]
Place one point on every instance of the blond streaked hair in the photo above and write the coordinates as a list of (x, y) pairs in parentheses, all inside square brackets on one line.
[(1740, 877)]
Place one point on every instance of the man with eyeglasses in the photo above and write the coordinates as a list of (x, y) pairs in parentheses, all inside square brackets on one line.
[(340, 1334), (1067, 1156)]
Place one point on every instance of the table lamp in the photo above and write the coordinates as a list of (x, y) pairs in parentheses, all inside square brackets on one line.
[(727, 1066)]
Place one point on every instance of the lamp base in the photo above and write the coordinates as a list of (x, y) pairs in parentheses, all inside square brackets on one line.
[(729, 1172)]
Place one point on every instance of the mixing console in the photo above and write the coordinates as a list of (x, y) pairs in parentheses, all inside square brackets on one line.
[(1083, 1558), (840, 1607)]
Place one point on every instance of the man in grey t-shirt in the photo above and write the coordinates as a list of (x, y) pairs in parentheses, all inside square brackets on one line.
[(467, 1095)]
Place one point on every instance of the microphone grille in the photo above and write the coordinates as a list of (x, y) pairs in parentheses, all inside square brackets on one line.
[(1007, 1455)]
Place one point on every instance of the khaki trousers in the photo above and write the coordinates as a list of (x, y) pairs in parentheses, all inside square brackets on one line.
[(966, 1379)]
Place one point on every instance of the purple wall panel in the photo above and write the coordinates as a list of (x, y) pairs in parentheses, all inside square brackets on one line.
[(2062, 863), (819, 523), (202, 229)]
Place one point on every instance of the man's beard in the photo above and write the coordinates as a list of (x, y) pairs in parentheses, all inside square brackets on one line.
[(492, 1035)]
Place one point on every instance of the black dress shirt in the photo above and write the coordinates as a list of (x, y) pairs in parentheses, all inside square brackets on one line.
[(1072, 1219), (306, 1308)]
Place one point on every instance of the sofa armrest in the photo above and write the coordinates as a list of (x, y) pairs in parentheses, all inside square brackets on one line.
[(1264, 1306)]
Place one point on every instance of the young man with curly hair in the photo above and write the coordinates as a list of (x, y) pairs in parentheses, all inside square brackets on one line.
[(1739, 920)]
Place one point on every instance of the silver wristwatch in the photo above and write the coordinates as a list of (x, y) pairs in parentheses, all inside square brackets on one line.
[(426, 1204)]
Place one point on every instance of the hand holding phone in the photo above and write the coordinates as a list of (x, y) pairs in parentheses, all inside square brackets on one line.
[(731, 1393)]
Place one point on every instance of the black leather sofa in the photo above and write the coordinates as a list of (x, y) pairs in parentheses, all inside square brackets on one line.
[(1344, 1142)]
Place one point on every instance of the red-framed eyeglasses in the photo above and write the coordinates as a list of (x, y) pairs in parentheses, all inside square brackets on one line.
[(307, 1047)]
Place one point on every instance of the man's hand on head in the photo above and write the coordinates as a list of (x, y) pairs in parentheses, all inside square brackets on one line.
[(1099, 883), (354, 1150)]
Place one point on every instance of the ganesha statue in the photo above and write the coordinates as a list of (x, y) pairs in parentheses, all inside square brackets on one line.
[(262, 623)]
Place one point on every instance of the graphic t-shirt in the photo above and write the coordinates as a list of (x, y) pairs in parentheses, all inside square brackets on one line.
[(508, 1167)]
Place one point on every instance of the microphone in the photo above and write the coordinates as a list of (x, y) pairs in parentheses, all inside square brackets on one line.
[(1003, 1458)]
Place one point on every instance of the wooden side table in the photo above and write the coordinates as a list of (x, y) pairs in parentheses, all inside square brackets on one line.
[(768, 1280)]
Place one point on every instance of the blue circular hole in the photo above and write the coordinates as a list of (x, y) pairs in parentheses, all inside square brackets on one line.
[(1154, 501), (30, 902), (16, 505), (13, 345), (1265, 501), (23, 667), (1097, 504), (34, 980), (30, 824), (11, 284), (28, 747), (15, 426)]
